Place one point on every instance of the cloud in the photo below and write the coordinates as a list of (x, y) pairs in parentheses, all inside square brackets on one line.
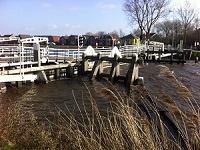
[(106, 6), (109, 6), (72, 26), (47, 5), (29, 28), (53, 26), (67, 25), (75, 8)]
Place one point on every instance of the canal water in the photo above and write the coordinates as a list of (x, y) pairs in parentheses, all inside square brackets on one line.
[(79, 94)]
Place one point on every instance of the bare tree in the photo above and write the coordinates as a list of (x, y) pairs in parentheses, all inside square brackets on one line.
[(197, 22), (89, 33), (101, 33), (186, 15), (114, 34), (136, 32), (145, 13), (121, 33), (165, 28)]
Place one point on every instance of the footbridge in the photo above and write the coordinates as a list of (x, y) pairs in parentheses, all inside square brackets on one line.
[(33, 55)]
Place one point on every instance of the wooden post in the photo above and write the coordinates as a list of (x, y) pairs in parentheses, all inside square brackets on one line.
[(159, 55), (132, 74), (181, 45), (147, 58), (2, 87), (96, 66), (171, 57), (70, 71), (36, 49), (196, 59), (42, 77), (56, 73), (183, 57), (84, 63), (115, 68), (18, 83)]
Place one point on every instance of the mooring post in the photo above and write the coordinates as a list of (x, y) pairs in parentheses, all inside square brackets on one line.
[(159, 55), (115, 70), (84, 63), (70, 71), (196, 59), (183, 57), (132, 74), (2, 87), (147, 58), (171, 57), (96, 66), (56, 73), (18, 83)]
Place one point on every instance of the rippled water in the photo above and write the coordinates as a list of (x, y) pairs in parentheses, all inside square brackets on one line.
[(179, 82), (68, 94)]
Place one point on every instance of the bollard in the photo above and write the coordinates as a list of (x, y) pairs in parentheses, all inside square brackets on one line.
[(140, 81), (196, 59), (2, 87)]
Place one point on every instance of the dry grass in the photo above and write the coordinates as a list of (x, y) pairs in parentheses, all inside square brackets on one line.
[(123, 127)]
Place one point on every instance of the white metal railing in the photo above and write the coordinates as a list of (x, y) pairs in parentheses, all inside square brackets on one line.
[(4, 39), (105, 51), (12, 53)]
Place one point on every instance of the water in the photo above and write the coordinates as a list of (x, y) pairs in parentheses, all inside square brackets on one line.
[(74, 95), (69, 95), (179, 82)]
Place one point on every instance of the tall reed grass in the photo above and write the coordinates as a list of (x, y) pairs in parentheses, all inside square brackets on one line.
[(125, 125)]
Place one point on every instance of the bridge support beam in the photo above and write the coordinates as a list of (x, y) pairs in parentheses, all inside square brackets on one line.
[(97, 68), (56, 73), (132, 74), (115, 69), (70, 71)]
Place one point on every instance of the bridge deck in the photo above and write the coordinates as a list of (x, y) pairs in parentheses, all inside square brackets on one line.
[(36, 69)]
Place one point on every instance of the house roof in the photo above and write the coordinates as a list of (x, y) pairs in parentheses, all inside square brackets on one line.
[(129, 36), (56, 38), (64, 37), (24, 36)]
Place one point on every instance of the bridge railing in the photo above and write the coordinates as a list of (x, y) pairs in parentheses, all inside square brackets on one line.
[(129, 50), (105, 51), (12, 53)]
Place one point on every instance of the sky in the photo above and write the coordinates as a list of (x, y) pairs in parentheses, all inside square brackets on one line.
[(65, 17)]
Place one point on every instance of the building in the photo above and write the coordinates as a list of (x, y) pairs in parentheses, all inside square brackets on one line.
[(64, 40), (54, 39)]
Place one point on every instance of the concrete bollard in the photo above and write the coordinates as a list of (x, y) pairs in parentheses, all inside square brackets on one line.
[(2, 87), (196, 59), (140, 81)]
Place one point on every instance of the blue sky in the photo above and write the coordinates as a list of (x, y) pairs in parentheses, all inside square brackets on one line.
[(62, 17)]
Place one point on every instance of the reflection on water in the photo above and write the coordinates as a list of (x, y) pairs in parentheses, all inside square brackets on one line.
[(68, 94)]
